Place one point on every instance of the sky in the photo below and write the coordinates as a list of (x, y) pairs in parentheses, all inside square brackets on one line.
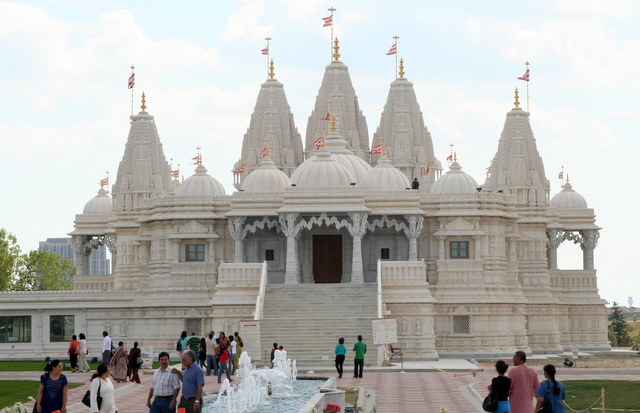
[(65, 106)]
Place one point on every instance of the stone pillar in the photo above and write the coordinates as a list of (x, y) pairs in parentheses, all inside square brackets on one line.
[(441, 250), (357, 229), (290, 230), (81, 254), (555, 238), (415, 228), (235, 228), (110, 242), (588, 244)]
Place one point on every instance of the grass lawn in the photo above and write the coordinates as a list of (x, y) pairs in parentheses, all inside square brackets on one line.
[(618, 394), (39, 365), (19, 391)]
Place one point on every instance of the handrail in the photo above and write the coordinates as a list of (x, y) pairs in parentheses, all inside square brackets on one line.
[(379, 288), (257, 314)]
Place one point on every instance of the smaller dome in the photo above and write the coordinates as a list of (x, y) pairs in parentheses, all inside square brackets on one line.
[(568, 198), (100, 204), (436, 164), (322, 170), (267, 178), (385, 176), (201, 184), (356, 166), (454, 181)]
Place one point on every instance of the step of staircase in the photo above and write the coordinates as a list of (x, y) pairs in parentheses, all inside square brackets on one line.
[(308, 319)]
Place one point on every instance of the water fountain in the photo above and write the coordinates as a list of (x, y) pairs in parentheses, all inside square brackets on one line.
[(251, 390)]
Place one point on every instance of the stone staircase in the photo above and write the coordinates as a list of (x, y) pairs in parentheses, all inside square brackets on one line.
[(308, 319)]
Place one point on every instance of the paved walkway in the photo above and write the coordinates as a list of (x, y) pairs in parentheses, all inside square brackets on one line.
[(416, 390)]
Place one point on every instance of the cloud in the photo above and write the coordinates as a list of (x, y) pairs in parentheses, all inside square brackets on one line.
[(304, 10), (245, 23), (600, 8)]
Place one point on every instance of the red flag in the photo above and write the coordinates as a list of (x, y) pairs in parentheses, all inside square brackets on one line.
[(104, 182), (393, 50), (525, 77), (265, 50), (318, 143), (561, 175), (175, 174), (427, 170), (264, 152), (488, 169), (328, 21), (132, 81), (327, 117), (196, 158), (238, 170), (377, 149), (450, 158)]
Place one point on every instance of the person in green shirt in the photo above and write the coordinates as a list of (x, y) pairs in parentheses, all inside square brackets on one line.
[(360, 348), (194, 342)]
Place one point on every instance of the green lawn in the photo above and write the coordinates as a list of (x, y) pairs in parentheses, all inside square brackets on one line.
[(19, 391), (618, 394), (39, 365)]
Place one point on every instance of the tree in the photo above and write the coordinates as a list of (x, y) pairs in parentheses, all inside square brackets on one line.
[(10, 259), (45, 271), (619, 329)]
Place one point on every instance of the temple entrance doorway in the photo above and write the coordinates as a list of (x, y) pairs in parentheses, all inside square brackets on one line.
[(327, 259)]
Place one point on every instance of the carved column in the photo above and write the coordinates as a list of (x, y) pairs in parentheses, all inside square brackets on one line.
[(290, 230), (555, 238), (357, 230), (81, 254), (235, 228), (415, 228), (588, 244), (441, 250), (110, 242)]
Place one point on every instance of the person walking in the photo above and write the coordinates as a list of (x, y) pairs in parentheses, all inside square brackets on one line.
[(552, 389), (524, 384), (118, 364), (165, 387), (183, 340), (223, 367), (106, 348), (341, 352), (52, 393), (192, 383), (82, 355), (134, 354), (101, 384), (239, 346), (193, 342), (212, 363), (232, 353), (360, 348), (202, 352), (500, 387), (73, 351)]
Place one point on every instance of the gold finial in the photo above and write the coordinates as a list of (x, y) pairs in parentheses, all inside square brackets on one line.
[(517, 102), (199, 157), (271, 73), (455, 157), (133, 67), (333, 123), (265, 151), (567, 178), (144, 103), (336, 48), (383, 147), (526, 63), (401, 72), (331, 9)]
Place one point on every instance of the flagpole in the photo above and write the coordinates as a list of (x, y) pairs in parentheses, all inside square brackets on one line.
[(268, 39), (132, 87), (396, 44), (527, 63), (331, 9)]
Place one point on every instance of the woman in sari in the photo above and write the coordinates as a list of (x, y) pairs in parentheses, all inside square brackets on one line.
[(118, 364)]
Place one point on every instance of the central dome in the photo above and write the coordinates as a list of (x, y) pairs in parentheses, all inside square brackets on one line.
[(201, 184), (322, 170), (454, 181), (267, 178)]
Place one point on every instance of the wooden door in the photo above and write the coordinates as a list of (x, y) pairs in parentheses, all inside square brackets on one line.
[(327, 258)]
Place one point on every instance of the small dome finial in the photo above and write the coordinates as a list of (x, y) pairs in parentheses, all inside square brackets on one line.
[(333, 123), (144, 102), (265, 151), (336, 48), (271, 72), (455, 157), (401, 72), (198, 157), (383, 148), (517, 102)]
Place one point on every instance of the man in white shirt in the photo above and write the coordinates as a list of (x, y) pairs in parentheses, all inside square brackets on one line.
[(212, 363), (165, 386), (232, 354), (106, 348)]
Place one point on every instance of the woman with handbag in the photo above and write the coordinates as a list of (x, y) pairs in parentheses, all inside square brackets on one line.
[(499, 388), (73, 351), (550, 393), (52, 394), (103, 397), (134, 366)]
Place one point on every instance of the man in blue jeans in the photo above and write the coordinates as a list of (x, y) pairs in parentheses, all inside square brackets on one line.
[(165, 386), (360, 348)]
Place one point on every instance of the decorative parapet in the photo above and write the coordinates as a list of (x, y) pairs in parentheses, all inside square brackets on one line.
[(93, 282)]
